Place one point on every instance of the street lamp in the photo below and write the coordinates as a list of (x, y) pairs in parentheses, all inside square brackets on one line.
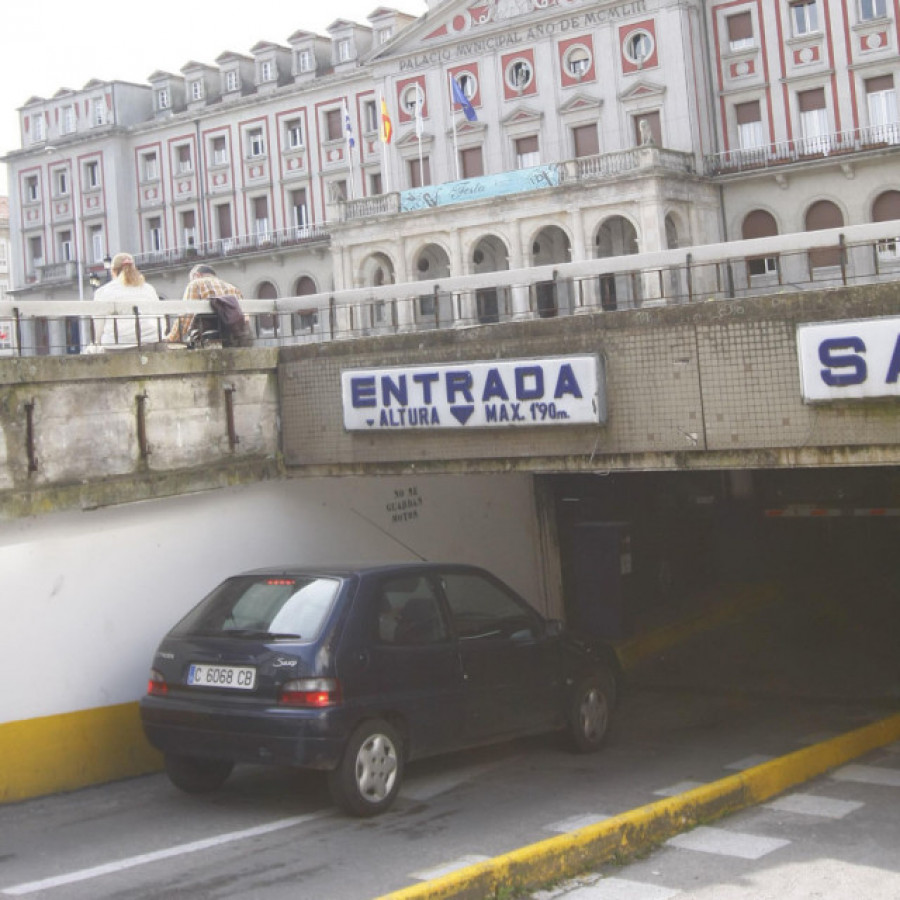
[(95, 280)]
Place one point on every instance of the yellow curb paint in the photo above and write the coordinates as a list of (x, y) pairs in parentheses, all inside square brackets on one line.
[(567, 855), (60, 753)]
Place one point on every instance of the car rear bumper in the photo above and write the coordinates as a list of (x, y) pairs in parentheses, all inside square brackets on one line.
[(306, 738)]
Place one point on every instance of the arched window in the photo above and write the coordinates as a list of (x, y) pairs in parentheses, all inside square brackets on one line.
[(265, 323), (759, 224), (886, 208), (824, 214)]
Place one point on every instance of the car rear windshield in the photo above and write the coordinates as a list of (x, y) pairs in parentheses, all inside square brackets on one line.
[(267, 606)]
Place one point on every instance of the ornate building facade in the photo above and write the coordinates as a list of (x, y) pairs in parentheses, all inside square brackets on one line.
[(521, 133)]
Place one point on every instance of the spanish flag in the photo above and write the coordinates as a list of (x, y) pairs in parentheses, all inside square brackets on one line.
[(387, 129)]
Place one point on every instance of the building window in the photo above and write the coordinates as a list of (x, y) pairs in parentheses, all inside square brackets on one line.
[(639, 47), (64, 246), (197, 90), (872, 9), (375, 184), (96, 234), (36, 251), (813, 121), (740, 31), (37, 127), (527, 152), (304, 61), (189, 228), (413, 100), (150, 166), (219, 151), (749, 125), (419, 172), (585, 141), (232, 81), (267, 71), (154, 234), (293, 133), (162, 98), (299, 211), (385, 35), (261, 216), (334, 125), (804, 17), (31, 188), (881, 99), (68, 120), (92, 175), (256, 145), (519, 74), (185, 163), (61, 181), (578, 61), (370, 116), (222, 216), (344, 50), (99, 112), (471, 162)]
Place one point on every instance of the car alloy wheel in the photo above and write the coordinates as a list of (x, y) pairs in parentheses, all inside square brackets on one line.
[(368, 778), (589, 713)]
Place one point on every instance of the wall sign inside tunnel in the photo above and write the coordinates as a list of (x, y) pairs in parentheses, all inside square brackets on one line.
[(565, 390)]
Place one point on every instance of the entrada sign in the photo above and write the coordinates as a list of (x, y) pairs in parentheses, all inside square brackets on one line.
[(501, 393), (850, 360)]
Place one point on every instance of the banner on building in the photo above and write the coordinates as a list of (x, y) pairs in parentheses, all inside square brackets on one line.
[(568, 390), (851, 360)]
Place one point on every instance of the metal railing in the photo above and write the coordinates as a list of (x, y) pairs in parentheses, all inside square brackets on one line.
[(804, 149), (855, 255), (224, 247)]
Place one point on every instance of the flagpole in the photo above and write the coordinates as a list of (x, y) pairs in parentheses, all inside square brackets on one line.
[(384, 156), (348, 129), (453, 118)]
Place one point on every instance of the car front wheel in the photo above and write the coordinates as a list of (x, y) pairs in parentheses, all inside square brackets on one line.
[(195, 775), (589, 712), (368, 778)]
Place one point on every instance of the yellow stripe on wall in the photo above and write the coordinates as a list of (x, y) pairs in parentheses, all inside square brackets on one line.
[(73, 750)]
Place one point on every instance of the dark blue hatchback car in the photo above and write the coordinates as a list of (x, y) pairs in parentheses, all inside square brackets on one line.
[(357, 670)]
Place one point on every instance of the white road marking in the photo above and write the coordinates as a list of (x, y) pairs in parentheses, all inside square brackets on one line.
[(144, 859), (748, 762), (811, 805), (429, 786), (682, 787), (620, 889), (868, 775), (455, 865), (726, 843), (573, 823)]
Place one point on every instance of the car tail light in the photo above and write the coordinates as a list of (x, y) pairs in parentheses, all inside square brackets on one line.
[(157, 684), (310, 692)]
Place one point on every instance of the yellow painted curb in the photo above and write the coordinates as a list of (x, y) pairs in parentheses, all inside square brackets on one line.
[(567, 855), (60, 753)]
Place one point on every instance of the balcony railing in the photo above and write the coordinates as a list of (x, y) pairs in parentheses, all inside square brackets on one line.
[(224, 247), (804, 149)]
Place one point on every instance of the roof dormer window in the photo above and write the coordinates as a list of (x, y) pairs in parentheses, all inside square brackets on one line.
[(232, 81), (345, 49), (267, 71), (197, 90), (162, 98), (304, 61)]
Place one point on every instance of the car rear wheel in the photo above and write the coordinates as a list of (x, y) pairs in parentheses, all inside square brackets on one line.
[(368, 778), (195, 775), (589, 712)]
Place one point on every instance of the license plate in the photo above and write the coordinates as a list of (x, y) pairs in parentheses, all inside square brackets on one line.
[(239, 678)]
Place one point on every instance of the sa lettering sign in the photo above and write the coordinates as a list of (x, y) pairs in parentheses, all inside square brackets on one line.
[(852, 360), (496, 394)]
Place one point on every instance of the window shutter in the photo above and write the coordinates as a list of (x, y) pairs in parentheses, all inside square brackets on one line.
[(811, 100), (747, 112), (740, 27)]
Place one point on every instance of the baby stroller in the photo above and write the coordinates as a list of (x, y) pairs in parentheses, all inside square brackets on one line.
[(225, 326)]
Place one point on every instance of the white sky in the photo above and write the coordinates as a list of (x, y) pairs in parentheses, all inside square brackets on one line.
[(46, 45)]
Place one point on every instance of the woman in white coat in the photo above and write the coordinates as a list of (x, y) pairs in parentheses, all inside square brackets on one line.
[(128, 288)]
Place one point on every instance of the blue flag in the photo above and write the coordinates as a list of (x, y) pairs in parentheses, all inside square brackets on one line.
[(348, 127), (459, 96)]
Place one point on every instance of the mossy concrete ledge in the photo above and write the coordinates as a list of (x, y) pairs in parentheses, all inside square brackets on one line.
[(638, 830)]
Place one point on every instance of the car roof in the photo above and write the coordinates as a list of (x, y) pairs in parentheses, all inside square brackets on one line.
[(347, 570)]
